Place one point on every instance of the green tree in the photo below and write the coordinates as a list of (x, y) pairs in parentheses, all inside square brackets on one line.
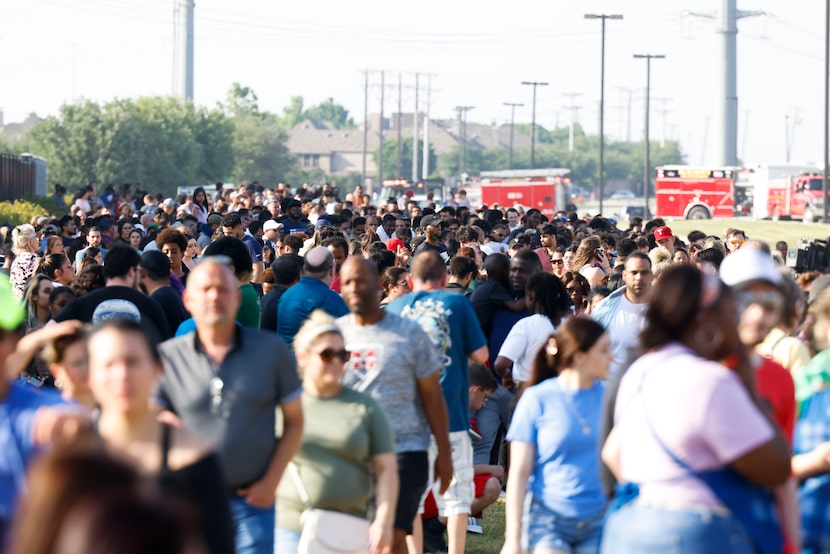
[(161, 142), (332, 113), (241, 99), (390, 158), (70, 142), (293, 113), (259, 139)]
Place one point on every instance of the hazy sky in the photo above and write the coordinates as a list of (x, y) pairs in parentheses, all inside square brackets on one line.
[(53, 51)]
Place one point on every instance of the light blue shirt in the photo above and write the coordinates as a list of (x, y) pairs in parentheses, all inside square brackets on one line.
[(553, 419)]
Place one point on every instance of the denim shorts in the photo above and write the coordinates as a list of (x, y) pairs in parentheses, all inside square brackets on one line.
[(547, 529), (641, 528)]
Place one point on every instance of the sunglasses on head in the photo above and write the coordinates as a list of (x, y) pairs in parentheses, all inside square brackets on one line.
[(329, 354), (768, 301)]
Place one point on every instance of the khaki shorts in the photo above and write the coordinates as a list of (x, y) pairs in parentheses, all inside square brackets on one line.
[(461, 492)]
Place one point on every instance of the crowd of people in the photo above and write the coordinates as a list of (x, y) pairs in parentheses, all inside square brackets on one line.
[(289, 370)]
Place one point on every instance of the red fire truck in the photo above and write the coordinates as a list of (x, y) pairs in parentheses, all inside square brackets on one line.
[(700, 192), (797, 198), (547, 190)]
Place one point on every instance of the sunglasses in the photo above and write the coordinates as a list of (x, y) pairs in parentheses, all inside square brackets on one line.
[(402, 284), (736, 242), (768, 301), (558, 262), (329, 354)]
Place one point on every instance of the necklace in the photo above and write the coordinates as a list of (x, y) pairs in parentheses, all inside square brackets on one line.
[(586, 427)]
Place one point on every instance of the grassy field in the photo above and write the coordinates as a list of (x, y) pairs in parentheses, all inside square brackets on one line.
[(491, 541), (769, 231)]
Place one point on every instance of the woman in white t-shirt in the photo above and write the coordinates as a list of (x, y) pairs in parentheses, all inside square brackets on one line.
[(548, 302), (680, 401)]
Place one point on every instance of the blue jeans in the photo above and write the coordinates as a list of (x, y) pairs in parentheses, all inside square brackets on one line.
[(547, 529), (254, 527), (287, 541), (642, 529)]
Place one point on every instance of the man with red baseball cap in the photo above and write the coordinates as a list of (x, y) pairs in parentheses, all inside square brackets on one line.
[(664, 237)]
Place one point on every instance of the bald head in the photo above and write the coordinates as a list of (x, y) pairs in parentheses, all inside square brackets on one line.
[(318, 263), (360, 265)]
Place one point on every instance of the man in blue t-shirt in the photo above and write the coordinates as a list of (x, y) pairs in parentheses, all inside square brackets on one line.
[(449, 320), (311, 293), (232, 227)]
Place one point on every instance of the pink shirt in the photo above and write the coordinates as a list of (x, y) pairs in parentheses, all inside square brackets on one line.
[(701, 412)]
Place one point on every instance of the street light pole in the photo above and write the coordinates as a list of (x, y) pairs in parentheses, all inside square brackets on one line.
[(513, 107), (534, 84), (602, 17), (647, 165), (824, 183)]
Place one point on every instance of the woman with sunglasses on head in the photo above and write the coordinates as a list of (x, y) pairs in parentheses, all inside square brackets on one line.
[(592, 262), (394, 285), (554, 445), (691, 439), (347, 455), (557, 260), (124, 368)]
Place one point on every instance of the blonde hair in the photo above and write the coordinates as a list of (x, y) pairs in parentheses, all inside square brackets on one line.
[(22, 235), (318, 324), (659, 254)]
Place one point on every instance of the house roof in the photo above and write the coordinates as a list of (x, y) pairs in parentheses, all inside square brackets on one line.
[(310, 137), (313, 137)]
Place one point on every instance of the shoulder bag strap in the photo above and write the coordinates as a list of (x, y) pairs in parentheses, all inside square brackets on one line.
[(298, 482), (683, 465)]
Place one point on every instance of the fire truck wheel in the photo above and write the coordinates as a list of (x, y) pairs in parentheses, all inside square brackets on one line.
[(809, 215), (699, 212)]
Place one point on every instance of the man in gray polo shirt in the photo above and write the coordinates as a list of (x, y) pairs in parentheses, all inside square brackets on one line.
[(225, 382)]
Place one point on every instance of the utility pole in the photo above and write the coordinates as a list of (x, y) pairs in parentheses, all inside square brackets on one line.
[(425, 156), (513, 107), (625, 113), (663, 118), (574, 109), (824, 183), (416, 125), (184, 47), (602, 17), (534, 84), (647, 164), (399, 163), (365, 125), (727, 89), (791, 124), (380, 131), (462, 125)]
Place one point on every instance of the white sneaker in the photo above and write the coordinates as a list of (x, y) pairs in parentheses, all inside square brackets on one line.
[(474, 525)]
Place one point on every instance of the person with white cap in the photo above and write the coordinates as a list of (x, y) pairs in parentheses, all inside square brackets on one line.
[(271, 233), (757, 283)]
